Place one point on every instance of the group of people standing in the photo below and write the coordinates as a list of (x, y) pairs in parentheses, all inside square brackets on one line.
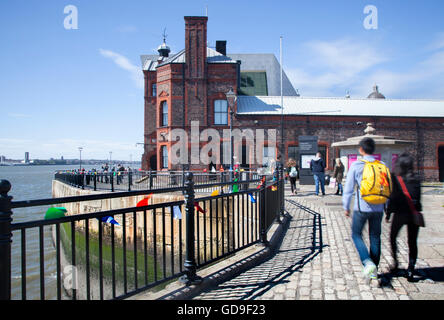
[(401, 203)]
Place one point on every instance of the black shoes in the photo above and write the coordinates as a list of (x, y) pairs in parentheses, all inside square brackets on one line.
[(410, 275)]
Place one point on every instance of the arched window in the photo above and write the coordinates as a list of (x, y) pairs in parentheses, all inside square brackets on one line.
[(164, 119), (220, 112)]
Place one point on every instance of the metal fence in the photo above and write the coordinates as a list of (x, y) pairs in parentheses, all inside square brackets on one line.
[(143, 180), (151, 245)]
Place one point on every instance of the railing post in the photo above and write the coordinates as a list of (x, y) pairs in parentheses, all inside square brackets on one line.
[(82, 181), (276, 179), (282, 189), (5, 240), (111, 179), (95, 181), (262, 216), (190, 277), (151, 180), (130, 180)]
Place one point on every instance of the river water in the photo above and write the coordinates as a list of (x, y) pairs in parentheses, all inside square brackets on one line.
[(28, 183)]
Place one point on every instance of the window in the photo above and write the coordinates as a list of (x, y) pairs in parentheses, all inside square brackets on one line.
[(164, 157), (269, 153), (220, 112), (164, 119), (323, 151), (154, 90), (293, 153)]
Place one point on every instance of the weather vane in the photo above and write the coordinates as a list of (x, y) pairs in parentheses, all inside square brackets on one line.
[(164, 35)]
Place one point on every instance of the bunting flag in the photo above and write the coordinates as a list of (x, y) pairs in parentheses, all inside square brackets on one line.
[(215, 193), (198, 208), (177, 213), (252, 199), (261, 184), (55, 213), (109, 219), (144, 201)]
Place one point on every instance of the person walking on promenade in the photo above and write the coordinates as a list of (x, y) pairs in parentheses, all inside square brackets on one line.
[(292, 171), (317, 167), (374, 187), (339, 175), (405, 185)]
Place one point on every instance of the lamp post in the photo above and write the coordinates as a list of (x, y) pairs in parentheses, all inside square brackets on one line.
[(231, 99), (80, 160)]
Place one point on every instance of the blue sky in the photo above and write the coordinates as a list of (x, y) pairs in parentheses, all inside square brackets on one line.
[(60, 89)]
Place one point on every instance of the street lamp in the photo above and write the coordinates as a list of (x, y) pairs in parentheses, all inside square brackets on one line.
[(231, 99), (80, 160)]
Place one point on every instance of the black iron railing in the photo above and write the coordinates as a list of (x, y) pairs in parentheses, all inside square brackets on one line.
[(143, 180), (151, 245)]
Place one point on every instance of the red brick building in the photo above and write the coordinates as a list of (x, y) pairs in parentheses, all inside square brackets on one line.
[(191, 85)]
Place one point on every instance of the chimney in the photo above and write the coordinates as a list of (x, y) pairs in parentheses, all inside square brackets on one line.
[(195, 46), (221, 47)]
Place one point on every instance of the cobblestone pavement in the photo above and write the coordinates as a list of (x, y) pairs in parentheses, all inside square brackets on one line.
[(300, 270)]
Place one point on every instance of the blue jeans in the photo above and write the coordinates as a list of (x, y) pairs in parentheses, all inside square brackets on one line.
[(319, 179), (340, 188), (374, 230)]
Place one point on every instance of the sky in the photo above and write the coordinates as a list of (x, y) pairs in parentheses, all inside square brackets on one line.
[(65, 88)]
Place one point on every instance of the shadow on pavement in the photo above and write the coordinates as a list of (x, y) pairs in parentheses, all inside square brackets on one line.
[(274, 270), (435, 274)]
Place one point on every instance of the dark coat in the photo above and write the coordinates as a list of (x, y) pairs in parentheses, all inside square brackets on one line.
[(339, 173), (317, 166), (398, 202)]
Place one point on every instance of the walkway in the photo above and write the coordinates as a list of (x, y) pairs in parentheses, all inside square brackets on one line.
[(300, 270)]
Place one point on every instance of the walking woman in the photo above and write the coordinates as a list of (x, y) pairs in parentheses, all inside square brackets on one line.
[(339, 175), (406, 185), (292, 171)]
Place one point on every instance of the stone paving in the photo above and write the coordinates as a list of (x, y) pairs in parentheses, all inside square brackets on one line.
[(300, 270)]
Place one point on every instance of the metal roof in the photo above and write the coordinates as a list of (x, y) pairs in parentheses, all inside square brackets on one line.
[(266, 62), (150, 62), (270, 105)]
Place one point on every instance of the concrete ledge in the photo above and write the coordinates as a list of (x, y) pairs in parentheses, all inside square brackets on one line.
[(223, 270)]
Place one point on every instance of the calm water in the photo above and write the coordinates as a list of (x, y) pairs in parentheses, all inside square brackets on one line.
[(28, 183)]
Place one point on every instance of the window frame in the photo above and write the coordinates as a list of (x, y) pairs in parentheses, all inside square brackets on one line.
[(164, 157), (218, 114), (164, 116)]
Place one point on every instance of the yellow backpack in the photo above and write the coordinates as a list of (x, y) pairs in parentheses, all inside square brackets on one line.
[(376, 184)]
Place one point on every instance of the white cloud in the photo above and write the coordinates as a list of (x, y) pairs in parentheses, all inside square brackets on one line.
[(342, 65), (333, 65), (19, 115), (121, 61), (438, 43)]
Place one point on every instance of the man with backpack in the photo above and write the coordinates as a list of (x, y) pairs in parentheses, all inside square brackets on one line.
[(374, 186)]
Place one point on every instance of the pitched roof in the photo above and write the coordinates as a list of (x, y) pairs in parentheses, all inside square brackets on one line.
[(270, 105), (150, 62)]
